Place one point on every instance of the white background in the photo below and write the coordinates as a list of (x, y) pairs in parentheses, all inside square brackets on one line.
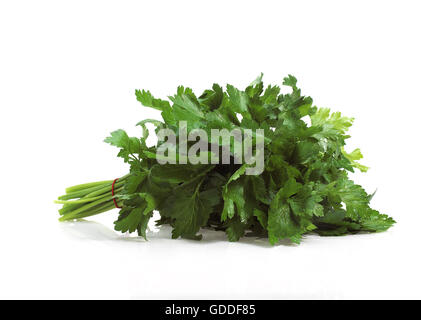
[(68, 71)]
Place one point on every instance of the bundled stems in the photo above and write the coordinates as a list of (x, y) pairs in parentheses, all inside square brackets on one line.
[(88, 199)]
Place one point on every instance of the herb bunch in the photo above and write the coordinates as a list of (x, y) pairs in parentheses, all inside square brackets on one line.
[(304, 186)]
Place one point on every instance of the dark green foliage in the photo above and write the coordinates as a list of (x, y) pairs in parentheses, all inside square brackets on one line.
[(304, 186)]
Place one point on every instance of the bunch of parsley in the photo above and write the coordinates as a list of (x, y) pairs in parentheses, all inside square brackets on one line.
[(304, 187)]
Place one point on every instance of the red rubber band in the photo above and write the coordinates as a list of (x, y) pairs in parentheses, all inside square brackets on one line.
[(112, 192)]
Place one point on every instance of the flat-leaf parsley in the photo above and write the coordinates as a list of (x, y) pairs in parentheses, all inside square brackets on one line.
[(303, 187)]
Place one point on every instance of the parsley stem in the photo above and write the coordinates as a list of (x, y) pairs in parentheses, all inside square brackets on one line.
[(81, 193), (89, 202), (91, 191), (81, 200), (73, 214), (70, 206), (84, 186), (96, 210), (105, 189)]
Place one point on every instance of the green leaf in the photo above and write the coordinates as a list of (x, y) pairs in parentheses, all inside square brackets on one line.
[(280, 223), (333, 124), (353, 157), (128, 145), (212, 99), (373, 221), (238, 100), (131, 219), (234, 201), (185, 108), (261, 217), (146, 98), (235, 229), (190, 211), (118, 138), (290, 81), (172, 173)]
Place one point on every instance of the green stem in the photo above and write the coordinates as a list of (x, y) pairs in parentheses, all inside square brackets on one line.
[(80, 193), (87, 185), (105, 189), (81, 200), (94, 211), (89, 199), (73, 214)]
